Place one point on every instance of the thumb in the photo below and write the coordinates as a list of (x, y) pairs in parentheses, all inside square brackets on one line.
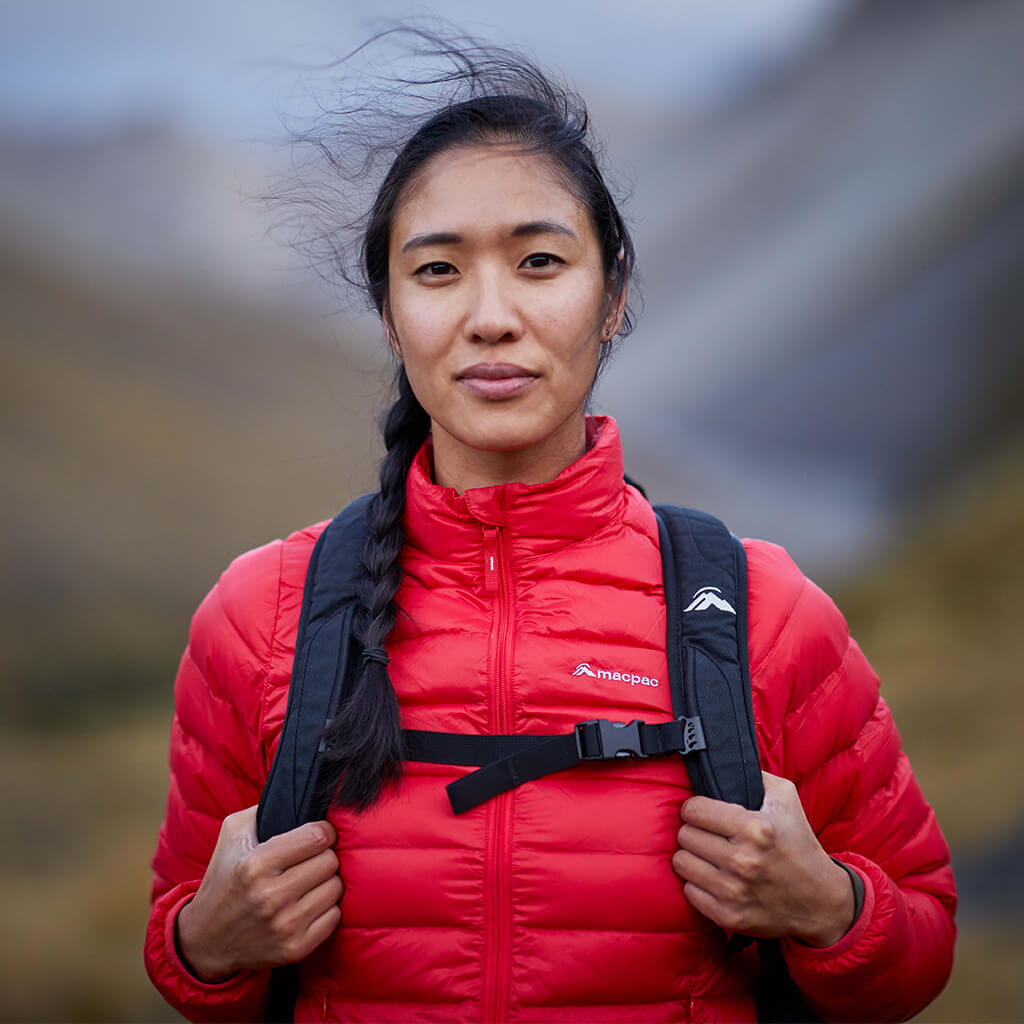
[(239, 829)]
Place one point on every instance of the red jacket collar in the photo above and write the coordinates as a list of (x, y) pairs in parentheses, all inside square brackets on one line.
[(588, 494)]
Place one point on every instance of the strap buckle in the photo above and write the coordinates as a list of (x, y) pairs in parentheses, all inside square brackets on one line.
[(608, 739), (693, 735)]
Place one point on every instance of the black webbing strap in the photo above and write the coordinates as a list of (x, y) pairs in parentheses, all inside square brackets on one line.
[(509, 761), (319, 673)]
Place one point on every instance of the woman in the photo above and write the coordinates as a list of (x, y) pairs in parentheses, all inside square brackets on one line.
[(506, 549)]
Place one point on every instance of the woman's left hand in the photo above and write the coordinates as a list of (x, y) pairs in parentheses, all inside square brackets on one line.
[(762, 873)]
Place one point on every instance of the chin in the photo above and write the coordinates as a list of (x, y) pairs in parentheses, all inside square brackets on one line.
[(500, 441)]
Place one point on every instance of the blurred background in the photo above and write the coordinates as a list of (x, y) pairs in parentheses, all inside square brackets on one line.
[(828, 199)]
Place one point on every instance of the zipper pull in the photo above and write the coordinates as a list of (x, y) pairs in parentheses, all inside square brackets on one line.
[(491, 565)]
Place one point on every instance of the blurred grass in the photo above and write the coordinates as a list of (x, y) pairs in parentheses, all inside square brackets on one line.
[(81, 812), (940, 621)]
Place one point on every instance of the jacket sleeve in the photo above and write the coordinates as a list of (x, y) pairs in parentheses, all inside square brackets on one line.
[(823, 724), (217, 766)]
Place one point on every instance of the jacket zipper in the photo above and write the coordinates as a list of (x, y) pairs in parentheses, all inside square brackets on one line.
[(497, 580)]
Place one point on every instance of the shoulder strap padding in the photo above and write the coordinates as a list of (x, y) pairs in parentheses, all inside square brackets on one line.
[(705, 573), (322, 651)]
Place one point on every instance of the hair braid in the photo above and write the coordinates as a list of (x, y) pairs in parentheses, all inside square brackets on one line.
[(363, 743)]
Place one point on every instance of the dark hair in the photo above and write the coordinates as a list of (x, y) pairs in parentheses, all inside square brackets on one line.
[(506, 99)]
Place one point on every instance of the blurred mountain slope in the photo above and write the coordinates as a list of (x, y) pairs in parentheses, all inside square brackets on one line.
[(147, 439), (833, 268)]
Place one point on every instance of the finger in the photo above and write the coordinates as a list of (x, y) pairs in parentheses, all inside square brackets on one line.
[(299, 879), (692, 869), (704, 903), (318, 901), (282, 851), (322, 928), (718, 816), (709, 846)]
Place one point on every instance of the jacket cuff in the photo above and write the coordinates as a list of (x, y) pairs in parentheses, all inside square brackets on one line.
[(837, 977), (858, 891), (239, 997)]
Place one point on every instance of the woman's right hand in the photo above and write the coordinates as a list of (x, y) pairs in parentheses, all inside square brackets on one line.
[(261, 904)]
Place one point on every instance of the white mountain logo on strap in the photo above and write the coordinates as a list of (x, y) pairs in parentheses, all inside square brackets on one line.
[(707, 598)]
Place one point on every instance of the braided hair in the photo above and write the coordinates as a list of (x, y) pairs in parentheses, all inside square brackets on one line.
[(510, 101)]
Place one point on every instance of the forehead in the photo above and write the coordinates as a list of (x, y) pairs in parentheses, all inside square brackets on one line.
[(473, 188)]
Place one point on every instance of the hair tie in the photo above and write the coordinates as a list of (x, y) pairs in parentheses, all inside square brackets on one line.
[(375, 654)]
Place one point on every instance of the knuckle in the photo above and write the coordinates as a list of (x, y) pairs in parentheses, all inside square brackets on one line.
[(734, 919), (735, 891), (747, 866), (247, 871), (763, 834), (284, 924), (264, 903), (293, 948)]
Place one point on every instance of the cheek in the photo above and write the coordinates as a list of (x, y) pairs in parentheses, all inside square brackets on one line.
[(420, 330), (574, 325)]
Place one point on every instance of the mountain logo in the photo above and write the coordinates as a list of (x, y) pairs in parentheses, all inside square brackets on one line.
[(707, 598), (583, 669)]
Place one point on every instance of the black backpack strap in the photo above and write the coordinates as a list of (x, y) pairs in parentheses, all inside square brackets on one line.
[(705, 570), (323, 662), (705, 574), (323, 649)]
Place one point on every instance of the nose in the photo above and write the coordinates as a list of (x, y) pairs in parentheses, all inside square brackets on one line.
[(492, 315)]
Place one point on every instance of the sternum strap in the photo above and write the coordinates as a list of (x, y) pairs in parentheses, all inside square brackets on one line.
[(509, 761)]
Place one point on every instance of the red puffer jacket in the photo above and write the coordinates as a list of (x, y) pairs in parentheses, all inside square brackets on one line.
[(557, 900)]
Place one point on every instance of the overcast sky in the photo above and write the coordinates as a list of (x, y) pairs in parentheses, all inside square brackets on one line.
[(220, 65)]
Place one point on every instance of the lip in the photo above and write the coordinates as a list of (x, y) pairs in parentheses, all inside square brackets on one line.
[(496, 380)]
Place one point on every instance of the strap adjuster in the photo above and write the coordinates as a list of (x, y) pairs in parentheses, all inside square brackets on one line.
[(693, 735), (608, 740)]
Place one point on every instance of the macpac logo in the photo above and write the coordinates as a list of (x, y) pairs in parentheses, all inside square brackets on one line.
[(584, 669), (707, 598)]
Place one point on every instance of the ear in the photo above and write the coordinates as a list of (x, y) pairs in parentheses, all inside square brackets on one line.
[(389, 331), (618, 291)]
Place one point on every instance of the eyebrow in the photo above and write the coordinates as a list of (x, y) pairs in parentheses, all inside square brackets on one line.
[(542, 227), (531, 227)]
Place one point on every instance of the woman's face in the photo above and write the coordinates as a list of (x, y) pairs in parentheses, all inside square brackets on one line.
[(496, 305)]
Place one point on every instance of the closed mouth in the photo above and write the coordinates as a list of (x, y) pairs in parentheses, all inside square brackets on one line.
[(495, 371)]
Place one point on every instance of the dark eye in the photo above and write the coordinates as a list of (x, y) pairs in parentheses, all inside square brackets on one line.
[(437, 268), (540, 261)]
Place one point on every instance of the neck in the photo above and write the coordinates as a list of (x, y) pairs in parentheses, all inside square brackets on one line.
[(462, 467)]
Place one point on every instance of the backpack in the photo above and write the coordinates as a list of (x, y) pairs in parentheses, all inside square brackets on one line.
[(705, 580)]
